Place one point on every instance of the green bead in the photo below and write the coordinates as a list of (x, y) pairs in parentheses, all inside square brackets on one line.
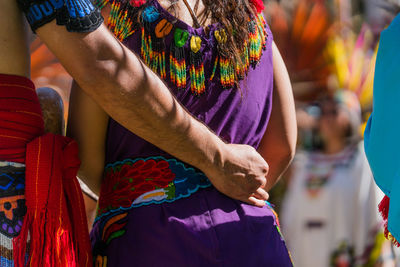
[(180, 37)]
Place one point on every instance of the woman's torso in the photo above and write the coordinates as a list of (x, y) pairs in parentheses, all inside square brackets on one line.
[(166, 226), (236, 115), (200, 78)]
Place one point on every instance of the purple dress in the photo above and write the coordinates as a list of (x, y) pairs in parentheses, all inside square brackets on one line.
[(155, 210)]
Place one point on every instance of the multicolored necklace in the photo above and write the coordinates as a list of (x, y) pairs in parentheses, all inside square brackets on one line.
[(185, 53)]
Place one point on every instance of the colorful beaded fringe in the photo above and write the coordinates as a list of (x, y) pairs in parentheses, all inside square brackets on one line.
[(121, 19), (124, 20), (177, 63)]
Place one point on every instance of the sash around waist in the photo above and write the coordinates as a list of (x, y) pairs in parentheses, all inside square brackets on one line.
[(137, 182)]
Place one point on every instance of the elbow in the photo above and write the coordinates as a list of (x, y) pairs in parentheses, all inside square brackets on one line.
[(290, 152), (289, 147), (287, 157), (284, 155), (278, 156), (279, 160)]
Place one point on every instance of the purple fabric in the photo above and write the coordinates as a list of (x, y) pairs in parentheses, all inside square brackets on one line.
[(207, 228)]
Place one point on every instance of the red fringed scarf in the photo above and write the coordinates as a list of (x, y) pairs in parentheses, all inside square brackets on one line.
[(55, 218), (384, 210)]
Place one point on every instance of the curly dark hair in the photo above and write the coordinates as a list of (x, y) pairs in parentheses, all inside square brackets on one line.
[(234, 16)]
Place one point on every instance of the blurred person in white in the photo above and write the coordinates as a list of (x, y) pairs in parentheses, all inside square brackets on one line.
[(329, 214)]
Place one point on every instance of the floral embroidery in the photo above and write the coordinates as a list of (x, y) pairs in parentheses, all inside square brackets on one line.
[(134, 183), (125, 183)]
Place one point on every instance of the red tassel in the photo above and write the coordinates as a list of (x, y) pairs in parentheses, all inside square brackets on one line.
[(55, 216), (384, 207), (384, 210)]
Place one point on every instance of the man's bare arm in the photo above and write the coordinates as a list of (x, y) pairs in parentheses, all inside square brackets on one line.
[(135, 97)]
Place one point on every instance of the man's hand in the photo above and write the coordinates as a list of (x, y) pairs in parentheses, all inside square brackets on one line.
[(240, 173)]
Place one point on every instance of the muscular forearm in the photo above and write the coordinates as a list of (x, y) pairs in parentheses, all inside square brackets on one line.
[(130, 93)]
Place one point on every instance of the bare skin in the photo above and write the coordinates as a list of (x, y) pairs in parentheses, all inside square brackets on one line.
[(279, 142), (14, 51), (135, 97)]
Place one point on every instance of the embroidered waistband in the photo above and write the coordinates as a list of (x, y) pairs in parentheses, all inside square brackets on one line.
[(137, 182)]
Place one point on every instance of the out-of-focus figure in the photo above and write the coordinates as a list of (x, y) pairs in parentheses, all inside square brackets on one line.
[(329, 214)]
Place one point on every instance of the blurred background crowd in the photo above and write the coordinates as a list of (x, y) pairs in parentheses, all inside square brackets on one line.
[(327, 198)]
